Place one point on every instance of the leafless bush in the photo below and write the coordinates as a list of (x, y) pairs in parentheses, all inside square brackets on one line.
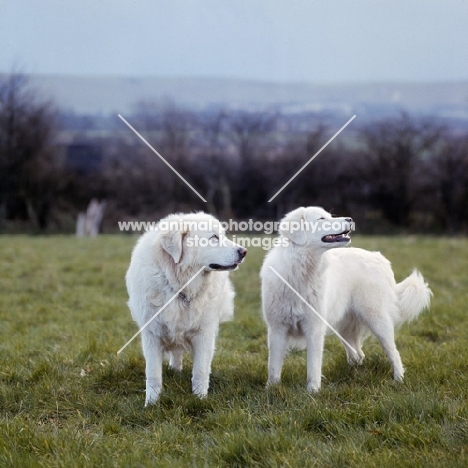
[(29, 171)]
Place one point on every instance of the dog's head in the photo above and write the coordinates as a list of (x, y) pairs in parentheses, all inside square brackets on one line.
[(198, 239), (316, 228)]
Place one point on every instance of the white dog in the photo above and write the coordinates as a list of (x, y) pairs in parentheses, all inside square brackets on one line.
[(353, 290), (163, 261)]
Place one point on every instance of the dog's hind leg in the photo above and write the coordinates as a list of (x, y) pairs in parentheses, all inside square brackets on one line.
[(354, 356), (176, 359), (382, 327), (351, 334), (277, 344)]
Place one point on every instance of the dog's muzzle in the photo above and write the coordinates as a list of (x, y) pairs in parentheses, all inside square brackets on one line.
[(241, 252), (343, 237)]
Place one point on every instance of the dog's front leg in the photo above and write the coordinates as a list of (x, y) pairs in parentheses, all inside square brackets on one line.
[(203, 345), (153, 352), (277, 344), (315, 340)]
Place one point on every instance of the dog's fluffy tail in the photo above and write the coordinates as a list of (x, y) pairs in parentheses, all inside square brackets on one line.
[(414, 296)]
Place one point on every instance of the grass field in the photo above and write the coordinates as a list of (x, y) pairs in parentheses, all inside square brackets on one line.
[(68, 400)]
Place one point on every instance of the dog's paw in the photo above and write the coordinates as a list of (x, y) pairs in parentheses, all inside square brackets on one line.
[(200, 389), (200, 393), (271, 382), (176, 361), (176, 367), (398, 372), (153, 389), (356, 360), (313, 387), (151, 399)]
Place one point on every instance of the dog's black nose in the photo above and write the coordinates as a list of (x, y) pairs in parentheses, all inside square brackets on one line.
[(242, 252), (349, 220)]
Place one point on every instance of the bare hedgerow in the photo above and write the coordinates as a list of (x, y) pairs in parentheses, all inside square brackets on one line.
[(29, 175)]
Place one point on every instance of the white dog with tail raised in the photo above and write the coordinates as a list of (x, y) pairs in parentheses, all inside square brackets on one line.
[(187, 253), (353, 290)]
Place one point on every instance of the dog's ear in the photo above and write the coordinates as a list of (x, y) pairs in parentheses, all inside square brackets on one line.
[(292, 226), (171, 242)]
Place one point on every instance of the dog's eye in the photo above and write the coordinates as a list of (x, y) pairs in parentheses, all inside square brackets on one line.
[(320, 219), (214, 236)]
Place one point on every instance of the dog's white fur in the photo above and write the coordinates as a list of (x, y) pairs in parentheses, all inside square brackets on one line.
[(354, 290), (162, 262)]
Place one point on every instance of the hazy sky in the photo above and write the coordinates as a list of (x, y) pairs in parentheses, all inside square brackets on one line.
[(280, 40)]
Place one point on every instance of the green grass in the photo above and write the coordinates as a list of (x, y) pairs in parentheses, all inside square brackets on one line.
[(68, 400)]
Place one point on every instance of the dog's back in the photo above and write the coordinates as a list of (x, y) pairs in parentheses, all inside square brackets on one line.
[(360, 280)]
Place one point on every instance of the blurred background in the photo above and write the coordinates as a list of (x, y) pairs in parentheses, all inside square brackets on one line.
[(237, 96)]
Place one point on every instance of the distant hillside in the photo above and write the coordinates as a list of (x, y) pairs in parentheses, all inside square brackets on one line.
[(100, 94)]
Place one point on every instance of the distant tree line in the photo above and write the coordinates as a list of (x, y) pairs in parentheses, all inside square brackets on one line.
[(398, 174)]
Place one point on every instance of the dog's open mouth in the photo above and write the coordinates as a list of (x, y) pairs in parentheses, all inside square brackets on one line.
[(215, 266), (332, 238)]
